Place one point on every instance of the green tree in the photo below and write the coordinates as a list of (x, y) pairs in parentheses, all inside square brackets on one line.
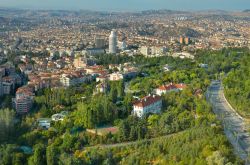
[(51, 155), (39, 156), (113, 95), (7, 118)]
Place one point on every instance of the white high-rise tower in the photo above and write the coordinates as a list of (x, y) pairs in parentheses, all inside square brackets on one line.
[(113, 42)]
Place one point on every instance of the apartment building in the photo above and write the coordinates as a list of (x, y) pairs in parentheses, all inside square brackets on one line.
[(71, 79), (23, 101)]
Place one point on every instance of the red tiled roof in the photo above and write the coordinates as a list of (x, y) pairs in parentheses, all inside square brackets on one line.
[(172, 86), (147, 100), (26, 90), (96, 67)]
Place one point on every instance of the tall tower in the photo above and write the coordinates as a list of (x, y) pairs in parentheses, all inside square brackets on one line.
[(187, 40), (181, 40), (113, 42)]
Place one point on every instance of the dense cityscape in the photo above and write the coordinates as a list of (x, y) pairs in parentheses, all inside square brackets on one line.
[(149, 87)]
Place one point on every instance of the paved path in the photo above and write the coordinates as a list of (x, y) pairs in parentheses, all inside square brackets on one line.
[(133, 142), (235, 127)]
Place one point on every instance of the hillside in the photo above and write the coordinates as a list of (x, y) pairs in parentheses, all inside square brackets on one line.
[(237, 86), (196, 146)]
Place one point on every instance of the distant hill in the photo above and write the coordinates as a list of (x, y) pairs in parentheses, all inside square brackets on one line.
[(246, 11), (148, 12)]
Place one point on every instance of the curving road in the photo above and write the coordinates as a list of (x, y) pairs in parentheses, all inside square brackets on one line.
[(235, 127)]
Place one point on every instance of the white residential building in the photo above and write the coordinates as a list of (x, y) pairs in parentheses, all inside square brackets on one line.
[(169, 88), (146, 105), (70, 80), (115, 77)]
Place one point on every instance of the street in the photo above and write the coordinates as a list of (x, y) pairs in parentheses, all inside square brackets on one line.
[(234, 125)]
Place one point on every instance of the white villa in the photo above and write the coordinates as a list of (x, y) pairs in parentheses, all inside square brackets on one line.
[(148, 104), (169, 88)]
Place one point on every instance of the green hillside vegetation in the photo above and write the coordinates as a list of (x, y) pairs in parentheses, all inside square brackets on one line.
[(233, 65), (198, 146), (197, 135), (237, 86)]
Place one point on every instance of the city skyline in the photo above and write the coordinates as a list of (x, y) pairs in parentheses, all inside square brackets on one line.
[(129, 5)]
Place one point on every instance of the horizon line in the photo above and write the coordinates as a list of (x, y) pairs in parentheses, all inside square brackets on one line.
[(121, 11)]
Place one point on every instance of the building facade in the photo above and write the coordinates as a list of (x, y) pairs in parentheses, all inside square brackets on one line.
[(23, 101), (71, 80), (153, 50), (169, 88), (99, 42), (146, 105), (113, 42), (115, 77)]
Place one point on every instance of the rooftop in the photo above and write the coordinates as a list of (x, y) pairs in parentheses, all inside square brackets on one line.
[(147, 100), (172, 86)]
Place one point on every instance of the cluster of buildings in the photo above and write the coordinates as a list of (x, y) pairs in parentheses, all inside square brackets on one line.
[(50, 72), (148, 34), (71, 44), (121, 72), (11, 83), (152, 104)]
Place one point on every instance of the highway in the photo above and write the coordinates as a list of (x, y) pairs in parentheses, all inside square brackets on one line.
[(235, 127)]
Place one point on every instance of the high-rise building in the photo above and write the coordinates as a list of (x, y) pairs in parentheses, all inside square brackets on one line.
[(187, 40), (99, 42), (181, 40), (113, 42)]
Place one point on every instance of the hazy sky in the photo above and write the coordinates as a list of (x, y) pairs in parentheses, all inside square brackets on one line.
[(128, 5)]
